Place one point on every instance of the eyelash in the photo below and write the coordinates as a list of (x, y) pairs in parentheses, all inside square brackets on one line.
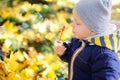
[(78, 23)]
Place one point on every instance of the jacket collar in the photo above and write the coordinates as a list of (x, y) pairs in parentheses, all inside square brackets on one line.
[(110, 41)]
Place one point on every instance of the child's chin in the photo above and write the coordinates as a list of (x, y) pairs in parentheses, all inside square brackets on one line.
[(78, 37)]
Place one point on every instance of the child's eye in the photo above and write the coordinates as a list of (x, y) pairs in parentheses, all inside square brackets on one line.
[(78, 23)]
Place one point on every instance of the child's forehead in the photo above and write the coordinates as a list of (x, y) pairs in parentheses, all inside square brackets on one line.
[(75, 15), (74, 12)]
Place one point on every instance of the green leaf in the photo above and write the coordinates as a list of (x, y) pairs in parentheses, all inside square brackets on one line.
[(41, 69), (1, 19), (45, 48), (14, 46)]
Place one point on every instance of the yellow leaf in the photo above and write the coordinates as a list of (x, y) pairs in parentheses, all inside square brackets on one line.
[(13, 76), (4, 71), (36, 7), (9, 26), (12, 61), (50, 36), (51, 75)]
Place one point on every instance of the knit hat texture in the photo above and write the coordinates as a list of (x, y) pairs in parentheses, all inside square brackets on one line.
[(96, 14)]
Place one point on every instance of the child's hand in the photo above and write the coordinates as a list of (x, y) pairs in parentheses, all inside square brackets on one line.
[(59, 48)]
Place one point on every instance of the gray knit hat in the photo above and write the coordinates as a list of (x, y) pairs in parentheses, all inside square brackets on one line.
[(96, 14)]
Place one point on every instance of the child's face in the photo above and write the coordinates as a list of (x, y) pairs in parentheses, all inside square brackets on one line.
[(79, 29)]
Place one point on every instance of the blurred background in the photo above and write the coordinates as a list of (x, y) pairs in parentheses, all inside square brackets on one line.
[(28, 29)]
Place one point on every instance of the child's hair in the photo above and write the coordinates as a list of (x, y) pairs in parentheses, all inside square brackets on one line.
[(96, 14)]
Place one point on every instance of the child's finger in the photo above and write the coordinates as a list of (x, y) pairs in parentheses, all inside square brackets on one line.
[(58, 42), (59, 49)]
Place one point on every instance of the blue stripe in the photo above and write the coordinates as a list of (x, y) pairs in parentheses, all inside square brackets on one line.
[(118, 36), (93, 40), (112, 41), (102, 41)]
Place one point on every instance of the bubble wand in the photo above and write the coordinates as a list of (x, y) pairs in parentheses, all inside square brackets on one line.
[(61, 33)]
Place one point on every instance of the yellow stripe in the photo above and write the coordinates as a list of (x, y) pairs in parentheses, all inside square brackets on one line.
[(119, 40), (97, 41), (89, 40), (107, 42), (115, 41)]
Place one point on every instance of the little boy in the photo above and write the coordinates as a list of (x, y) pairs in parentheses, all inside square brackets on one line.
[(92, 54)]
